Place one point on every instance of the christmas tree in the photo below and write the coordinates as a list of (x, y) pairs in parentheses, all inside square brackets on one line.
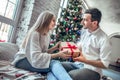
[(68, 25)]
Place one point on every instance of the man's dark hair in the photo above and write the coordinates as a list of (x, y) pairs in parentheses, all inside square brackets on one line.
[(95, 14)]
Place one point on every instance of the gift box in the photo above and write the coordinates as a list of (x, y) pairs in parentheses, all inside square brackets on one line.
[(71, 47)]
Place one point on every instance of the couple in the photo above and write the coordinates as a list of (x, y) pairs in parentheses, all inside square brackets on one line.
[(35, 56)]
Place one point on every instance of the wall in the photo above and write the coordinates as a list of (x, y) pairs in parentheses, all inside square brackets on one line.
[(42, 5), (30, 12), (24, 20), (110, 9)]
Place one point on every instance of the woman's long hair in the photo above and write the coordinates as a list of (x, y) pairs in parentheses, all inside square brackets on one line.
[(41, 26)]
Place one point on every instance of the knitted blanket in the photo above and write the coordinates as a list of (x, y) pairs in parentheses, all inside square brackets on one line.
[(9, 72)]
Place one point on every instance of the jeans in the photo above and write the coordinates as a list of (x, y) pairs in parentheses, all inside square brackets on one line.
[(24, 64), (55, 72), (72, 66), (78, 72)]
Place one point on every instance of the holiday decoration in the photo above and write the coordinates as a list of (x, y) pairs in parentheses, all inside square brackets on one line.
[(71, 48), (68, 28)]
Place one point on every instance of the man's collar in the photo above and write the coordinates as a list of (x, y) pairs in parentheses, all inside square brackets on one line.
[(94, 32)]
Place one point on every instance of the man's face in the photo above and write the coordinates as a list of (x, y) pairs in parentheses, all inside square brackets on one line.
[(86, 22)]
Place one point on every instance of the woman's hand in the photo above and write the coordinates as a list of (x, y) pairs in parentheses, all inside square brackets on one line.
[(57, 45), (64, 54)]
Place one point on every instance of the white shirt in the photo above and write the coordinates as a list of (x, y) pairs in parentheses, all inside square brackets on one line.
[(95, 46), (36, 51)]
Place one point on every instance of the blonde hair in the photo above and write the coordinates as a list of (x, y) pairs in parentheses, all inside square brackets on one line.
[(41, 25)]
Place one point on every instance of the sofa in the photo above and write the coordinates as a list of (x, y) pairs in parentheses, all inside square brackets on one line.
[(8, 50), (8, 71)]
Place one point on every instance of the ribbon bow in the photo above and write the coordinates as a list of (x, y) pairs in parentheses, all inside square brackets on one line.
[(71, 47)]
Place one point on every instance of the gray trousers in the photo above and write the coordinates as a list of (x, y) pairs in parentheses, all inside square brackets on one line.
[(80, 73)]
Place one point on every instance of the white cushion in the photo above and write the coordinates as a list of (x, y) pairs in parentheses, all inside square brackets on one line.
[(8, 50)]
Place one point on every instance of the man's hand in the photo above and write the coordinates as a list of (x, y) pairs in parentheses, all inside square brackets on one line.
[(81, 58), (96, 63)]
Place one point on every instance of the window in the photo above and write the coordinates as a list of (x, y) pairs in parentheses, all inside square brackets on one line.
[(9, 15)]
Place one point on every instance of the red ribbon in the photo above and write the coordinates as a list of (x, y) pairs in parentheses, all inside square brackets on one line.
[(71, 47)]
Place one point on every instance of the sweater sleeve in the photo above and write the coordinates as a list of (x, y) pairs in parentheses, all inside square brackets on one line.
[(38, 58)]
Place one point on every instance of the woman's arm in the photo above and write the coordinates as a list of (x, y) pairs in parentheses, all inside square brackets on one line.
[(56, 47), (62, 54), (52, 49)]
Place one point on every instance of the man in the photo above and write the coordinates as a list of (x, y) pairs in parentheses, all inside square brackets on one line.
[(95, 49)]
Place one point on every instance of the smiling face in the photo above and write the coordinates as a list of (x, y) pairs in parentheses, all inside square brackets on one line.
[(88, 23), (91, 19), (52, 23)]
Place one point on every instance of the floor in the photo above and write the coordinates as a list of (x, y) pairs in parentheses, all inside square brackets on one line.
[(112, 74)]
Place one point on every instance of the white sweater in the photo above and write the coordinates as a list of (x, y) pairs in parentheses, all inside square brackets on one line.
[(36, 51)]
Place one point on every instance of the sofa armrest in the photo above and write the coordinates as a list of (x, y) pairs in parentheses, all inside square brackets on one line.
[(8, 50)]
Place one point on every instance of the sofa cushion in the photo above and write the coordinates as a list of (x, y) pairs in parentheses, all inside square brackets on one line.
[(8, 50)]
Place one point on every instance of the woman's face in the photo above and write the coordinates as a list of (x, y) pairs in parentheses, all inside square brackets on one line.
[(52, 23)]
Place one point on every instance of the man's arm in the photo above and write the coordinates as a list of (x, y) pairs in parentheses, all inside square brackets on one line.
[(95, 63)]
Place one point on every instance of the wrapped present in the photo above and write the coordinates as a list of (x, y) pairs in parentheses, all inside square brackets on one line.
[(71, 47)]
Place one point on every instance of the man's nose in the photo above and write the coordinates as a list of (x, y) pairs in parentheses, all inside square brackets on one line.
[(82, 22)]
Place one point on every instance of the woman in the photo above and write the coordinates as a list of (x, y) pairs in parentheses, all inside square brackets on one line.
[(34, 54)]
